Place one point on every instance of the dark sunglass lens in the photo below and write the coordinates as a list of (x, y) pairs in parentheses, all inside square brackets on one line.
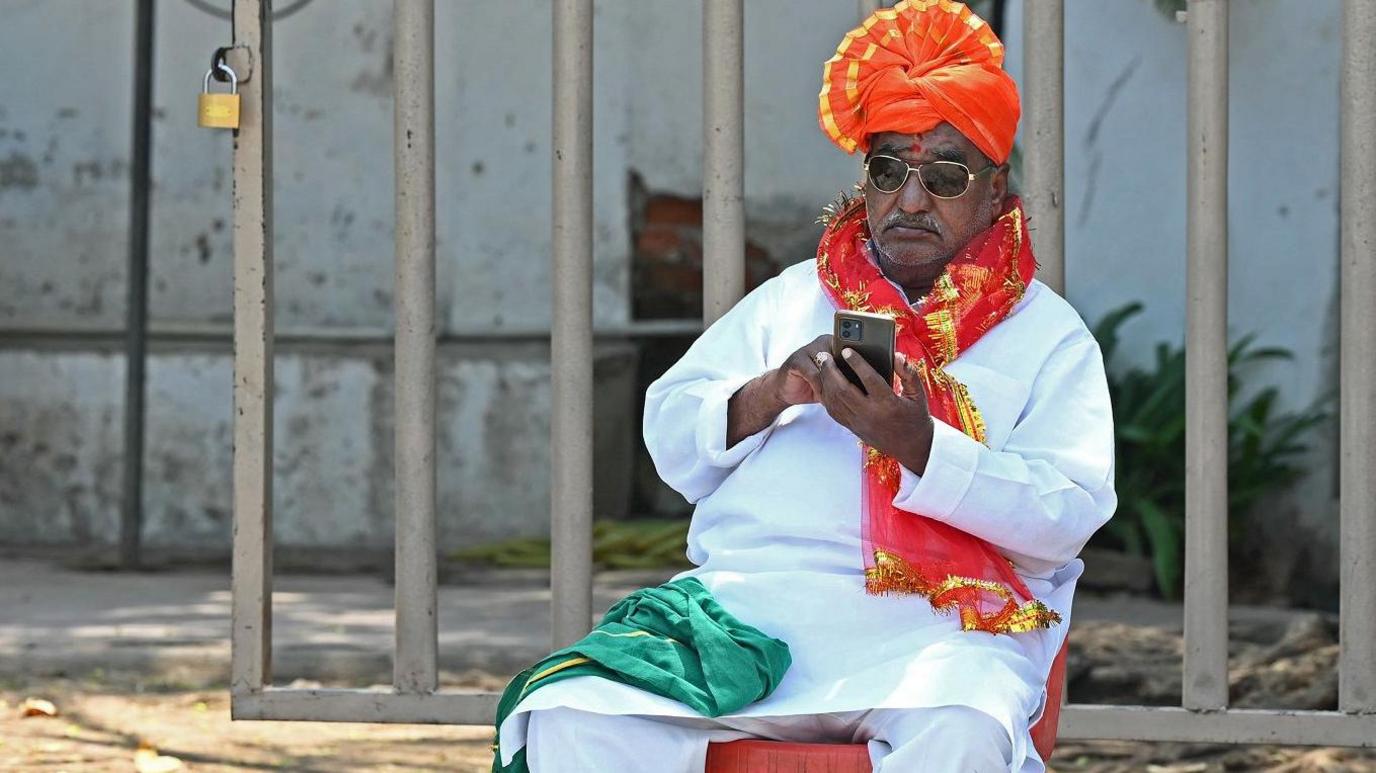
[(887, 174), (945, 179)]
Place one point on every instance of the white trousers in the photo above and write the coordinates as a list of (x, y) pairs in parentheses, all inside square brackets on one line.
[(945, 739)]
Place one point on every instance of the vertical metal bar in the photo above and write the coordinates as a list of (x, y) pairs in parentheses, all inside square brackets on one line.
[(866, 9), (571, 352), (1357, 661), (723, 145), (415, 667), (251, 662), (997, 13), (1206, 361), (1043, 164), (136, 314)]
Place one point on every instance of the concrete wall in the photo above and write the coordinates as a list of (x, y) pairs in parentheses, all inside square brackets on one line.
[(61, 438), (1125, 214), (64, 147), (1125, 174)]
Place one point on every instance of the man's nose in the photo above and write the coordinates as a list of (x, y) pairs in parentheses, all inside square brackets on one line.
[(912, 197)]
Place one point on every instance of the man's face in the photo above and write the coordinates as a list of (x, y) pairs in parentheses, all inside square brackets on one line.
[(915, 229)]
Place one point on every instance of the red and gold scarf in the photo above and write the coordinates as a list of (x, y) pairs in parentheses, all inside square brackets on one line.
[(908, 553)]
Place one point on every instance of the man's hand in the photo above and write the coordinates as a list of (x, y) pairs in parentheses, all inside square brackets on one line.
[(797, 379), (899, 425), (760, 401)]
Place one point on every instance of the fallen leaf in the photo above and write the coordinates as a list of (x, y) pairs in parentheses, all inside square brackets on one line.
[(37, 707), (1317, 761), (147, 760)]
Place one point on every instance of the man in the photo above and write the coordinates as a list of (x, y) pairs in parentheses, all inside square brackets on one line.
[(914, 544)]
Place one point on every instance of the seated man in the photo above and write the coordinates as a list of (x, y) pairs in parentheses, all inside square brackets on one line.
[(914, 544)]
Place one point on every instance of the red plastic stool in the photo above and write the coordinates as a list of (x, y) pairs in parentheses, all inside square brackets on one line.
[(777, 757)]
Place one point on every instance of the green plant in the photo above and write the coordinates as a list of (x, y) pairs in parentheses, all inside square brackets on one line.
[(1264, 447)]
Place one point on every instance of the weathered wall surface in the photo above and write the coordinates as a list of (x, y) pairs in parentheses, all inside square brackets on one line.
[(1125, 211), (61, 438), (64, 136), (65, 146)]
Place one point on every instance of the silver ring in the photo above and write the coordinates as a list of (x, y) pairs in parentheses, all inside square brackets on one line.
[(819, 358)]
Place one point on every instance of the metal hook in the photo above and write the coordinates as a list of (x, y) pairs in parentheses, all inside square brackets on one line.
[(217, 60), (231, 78)]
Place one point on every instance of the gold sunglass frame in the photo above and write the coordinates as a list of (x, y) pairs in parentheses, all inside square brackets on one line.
[(910, 169)]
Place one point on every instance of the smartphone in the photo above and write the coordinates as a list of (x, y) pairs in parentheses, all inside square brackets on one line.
[(871, 335)]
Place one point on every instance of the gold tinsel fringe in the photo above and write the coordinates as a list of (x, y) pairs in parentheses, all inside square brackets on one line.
[(892, 574), (840, 208)]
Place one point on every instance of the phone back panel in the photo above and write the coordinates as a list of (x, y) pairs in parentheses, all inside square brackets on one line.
[(872, 335)]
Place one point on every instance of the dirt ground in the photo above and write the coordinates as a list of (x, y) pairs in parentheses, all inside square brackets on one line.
[(102, 727), (136, 666), (113, 724)]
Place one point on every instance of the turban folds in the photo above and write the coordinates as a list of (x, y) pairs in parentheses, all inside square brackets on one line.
[(914, 66)]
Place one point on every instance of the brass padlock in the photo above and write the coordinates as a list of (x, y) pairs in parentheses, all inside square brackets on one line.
[(219, 110)]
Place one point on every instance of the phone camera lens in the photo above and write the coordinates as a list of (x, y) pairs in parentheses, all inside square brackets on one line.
[(845, 333)]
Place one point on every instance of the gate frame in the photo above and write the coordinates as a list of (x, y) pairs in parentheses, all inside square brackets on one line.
[(415, 698)]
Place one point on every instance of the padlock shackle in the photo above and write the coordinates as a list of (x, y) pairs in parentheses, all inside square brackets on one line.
[(233, 79)]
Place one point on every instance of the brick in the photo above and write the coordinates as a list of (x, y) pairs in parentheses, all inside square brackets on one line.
[(673, 210)]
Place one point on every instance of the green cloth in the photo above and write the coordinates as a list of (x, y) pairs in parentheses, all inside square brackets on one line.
[(674, 640)]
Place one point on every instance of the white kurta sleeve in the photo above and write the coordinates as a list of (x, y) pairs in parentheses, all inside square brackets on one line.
[(685, 409), (1040, 497)]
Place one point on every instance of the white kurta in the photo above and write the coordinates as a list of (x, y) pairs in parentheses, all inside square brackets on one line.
[(776, 531)]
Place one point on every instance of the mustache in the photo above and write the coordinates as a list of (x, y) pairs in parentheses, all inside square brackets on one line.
[(924, 222)]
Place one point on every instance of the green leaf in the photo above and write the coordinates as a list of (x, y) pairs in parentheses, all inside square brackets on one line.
[(1266, 448), (1166, 547), (1129, 534), (1136, 433), (1106, 332)]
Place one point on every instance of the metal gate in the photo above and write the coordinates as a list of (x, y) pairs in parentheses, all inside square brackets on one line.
[(415, 697)]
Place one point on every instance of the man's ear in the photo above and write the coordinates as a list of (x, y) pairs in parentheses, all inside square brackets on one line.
[(998, 186)]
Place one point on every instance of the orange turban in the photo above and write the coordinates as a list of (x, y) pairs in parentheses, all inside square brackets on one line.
[(914, 66)]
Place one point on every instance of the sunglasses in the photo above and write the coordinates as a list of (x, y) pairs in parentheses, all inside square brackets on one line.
[(942, 179)]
